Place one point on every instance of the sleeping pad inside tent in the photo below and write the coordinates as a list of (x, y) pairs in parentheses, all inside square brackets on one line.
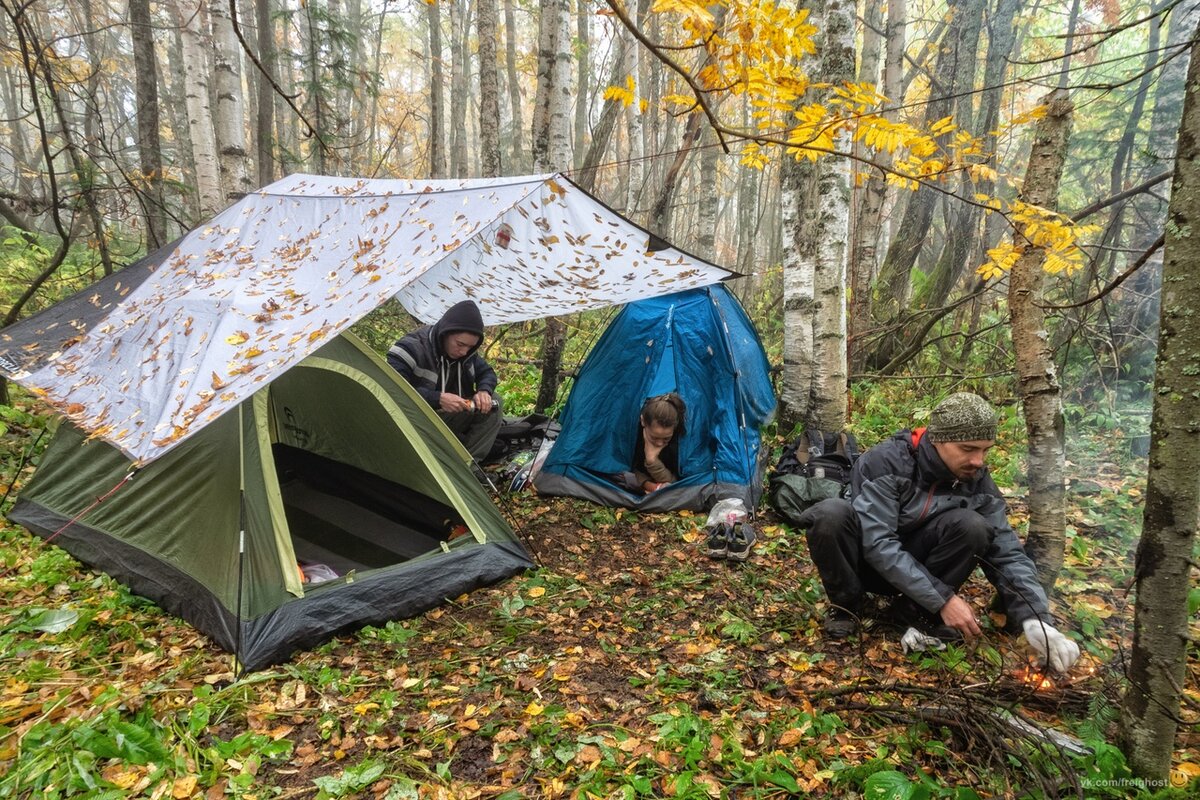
[(336, 467), (699, 343)]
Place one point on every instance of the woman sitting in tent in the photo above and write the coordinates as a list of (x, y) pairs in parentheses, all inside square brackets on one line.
[(656, 457)]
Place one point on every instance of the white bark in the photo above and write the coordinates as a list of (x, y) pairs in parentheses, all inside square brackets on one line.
[(230, 114), (798, 293), (633, 127), (190, 16)]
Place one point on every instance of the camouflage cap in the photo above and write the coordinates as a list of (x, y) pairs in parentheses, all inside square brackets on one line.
[(962, 417)]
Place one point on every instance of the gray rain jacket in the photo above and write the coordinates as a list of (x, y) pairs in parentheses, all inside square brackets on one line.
[(896, 487)]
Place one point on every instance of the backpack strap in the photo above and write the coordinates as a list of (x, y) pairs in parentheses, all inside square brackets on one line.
[(849, 446), (816, 443)]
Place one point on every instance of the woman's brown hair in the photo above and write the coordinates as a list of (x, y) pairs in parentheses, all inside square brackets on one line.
[(664, 410)]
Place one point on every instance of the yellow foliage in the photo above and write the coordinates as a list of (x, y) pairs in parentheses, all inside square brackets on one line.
[(761, 52), (627, 94), (690, 10)]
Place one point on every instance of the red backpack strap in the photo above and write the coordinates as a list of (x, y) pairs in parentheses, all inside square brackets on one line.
[(917, 433)]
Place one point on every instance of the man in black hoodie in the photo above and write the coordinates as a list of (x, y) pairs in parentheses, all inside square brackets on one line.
[(442, 363)]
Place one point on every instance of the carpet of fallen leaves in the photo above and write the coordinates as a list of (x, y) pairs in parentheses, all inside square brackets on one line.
[(627, 665)]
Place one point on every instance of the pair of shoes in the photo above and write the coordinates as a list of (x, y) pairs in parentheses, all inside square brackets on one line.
[(741, 538), (731, 541), (839, 624)]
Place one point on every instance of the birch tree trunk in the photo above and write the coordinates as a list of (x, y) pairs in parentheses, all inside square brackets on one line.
[(437, 139), (178, 150), (633, 128), (798, 299), (550, 147), (190, 17), (145, 67), (230, 114), (286, 136), (314, 106), (518, 159), (583, 68), (458, 89), (709, 193), (824, 238), (1157, 671), (355, 90), (1037, 377), (489, 90), (264, 119)]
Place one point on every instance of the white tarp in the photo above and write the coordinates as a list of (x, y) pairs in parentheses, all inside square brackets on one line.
[(270, 279)]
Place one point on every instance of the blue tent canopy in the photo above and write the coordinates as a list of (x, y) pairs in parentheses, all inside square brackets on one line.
[(699, 343)]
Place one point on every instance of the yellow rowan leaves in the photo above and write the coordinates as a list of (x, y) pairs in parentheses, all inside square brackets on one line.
[(627, 94), (1056, 234)]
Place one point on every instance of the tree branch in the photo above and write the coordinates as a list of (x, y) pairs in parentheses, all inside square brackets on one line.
[(1144, 186), (1117, 281)]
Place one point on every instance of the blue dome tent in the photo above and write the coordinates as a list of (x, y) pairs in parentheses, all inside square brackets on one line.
[(699, 343)]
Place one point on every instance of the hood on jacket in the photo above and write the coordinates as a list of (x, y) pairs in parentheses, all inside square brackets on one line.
[(463, 316)]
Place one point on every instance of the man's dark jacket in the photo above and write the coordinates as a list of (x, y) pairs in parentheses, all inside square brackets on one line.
[(420, 359), (896, 487)]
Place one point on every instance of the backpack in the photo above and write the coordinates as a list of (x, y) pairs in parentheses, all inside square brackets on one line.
[(815, 467), (519, 434)]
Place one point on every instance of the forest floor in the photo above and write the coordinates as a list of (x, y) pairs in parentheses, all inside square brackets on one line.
[(627, 665)]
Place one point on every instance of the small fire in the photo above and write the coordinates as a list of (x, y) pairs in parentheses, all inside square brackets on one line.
[(1036, 678)]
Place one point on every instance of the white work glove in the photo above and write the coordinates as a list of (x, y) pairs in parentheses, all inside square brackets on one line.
[(913, 641), (1050, 645)]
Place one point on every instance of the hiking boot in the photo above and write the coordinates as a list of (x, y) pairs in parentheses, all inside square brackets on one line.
[(718, 541), (739, 541), (839, 624)]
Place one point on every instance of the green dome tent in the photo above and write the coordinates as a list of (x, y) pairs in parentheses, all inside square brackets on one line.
[(336, 468)]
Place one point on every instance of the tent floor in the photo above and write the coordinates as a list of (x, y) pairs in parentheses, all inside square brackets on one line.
[(351, 520)]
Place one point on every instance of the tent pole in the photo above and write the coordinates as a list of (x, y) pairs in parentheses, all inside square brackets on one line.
[(237, 651)]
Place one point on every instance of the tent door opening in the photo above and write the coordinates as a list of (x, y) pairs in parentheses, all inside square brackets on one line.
[(340, 462), (350, 519)]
